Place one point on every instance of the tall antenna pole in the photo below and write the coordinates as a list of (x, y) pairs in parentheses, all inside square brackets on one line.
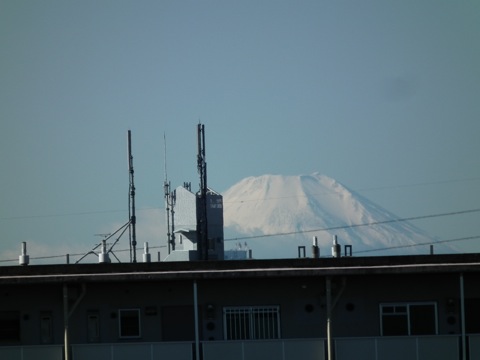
[(133, 220), (202, 228), (169, 204)]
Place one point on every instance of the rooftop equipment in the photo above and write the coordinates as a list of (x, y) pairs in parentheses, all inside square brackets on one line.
[(146, 255), (315, 248), (103, 256), (336, 249), (24, 259)]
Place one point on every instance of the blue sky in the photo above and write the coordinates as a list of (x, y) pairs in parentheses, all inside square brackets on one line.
[(383, 96)]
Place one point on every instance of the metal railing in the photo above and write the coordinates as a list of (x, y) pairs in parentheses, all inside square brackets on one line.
[(369, 348)]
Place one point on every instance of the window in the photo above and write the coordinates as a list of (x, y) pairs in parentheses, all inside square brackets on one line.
[(46, 327), (9, 326), (472, 315), (251, 322), (408, 319), (171, 319), (129, 323), (93, 327)]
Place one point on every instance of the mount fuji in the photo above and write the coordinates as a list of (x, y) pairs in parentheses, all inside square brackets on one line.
[(275, 214)]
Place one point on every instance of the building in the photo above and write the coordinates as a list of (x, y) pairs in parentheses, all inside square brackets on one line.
[(404, 307), (186, 220)]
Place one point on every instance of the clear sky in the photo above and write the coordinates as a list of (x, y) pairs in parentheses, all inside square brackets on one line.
[(383, 96)]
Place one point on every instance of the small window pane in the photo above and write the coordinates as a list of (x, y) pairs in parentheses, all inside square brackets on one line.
[(422, 319), (129, 323), (9, 326), (395, 325)]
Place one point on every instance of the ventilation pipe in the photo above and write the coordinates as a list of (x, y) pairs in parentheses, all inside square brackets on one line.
[(24, 259), (315, 248), (103, 256), (336, 249), (146, 255)]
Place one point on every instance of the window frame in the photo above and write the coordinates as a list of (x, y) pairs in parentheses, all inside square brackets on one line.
[(120, 335), (93, 326), (250, 316), (407, 313), (10, 327), (46, 327)]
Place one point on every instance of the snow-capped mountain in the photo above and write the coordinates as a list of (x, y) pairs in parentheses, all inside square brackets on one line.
[(261, 210)]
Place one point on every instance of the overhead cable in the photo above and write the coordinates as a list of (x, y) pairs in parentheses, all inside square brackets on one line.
[(374, 223)]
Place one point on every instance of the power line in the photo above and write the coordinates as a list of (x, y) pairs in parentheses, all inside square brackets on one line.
[(419, 244), (80, 213), (71, 255), (361, 190), (357, 252), (418, 184), (93, 212), (374, 223)]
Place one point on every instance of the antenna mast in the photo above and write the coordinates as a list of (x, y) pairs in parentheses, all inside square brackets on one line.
[(169, 204), (131, 202), (202, 231)]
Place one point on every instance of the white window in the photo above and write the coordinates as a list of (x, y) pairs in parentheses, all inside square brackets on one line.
[(251, 322), (129, 323), (408, 319)]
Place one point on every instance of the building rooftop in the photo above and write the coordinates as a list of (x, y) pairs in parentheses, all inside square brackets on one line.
[(155, 271)]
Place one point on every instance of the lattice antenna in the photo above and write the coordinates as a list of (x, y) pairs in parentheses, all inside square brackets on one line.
[(131, 197)]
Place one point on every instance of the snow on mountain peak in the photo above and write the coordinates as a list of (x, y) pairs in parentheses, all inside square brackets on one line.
[(305, 205)]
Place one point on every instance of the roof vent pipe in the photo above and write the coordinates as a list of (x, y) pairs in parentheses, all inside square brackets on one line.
[(336, 249), (24, 259), (315, 249), (146, 256), (103, 256)]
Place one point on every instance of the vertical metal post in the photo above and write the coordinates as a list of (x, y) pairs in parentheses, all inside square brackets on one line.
[(462, 316), (66, 340), (195, 311), (67, 313), (329, 317)]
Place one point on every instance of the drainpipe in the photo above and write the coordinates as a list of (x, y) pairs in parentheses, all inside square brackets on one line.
[(329, 316), (67, 313), (462, 316), (66, 340), (330, 306), (195, 311)]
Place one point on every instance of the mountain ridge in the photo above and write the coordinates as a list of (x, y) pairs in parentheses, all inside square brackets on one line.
[(267, 207)]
